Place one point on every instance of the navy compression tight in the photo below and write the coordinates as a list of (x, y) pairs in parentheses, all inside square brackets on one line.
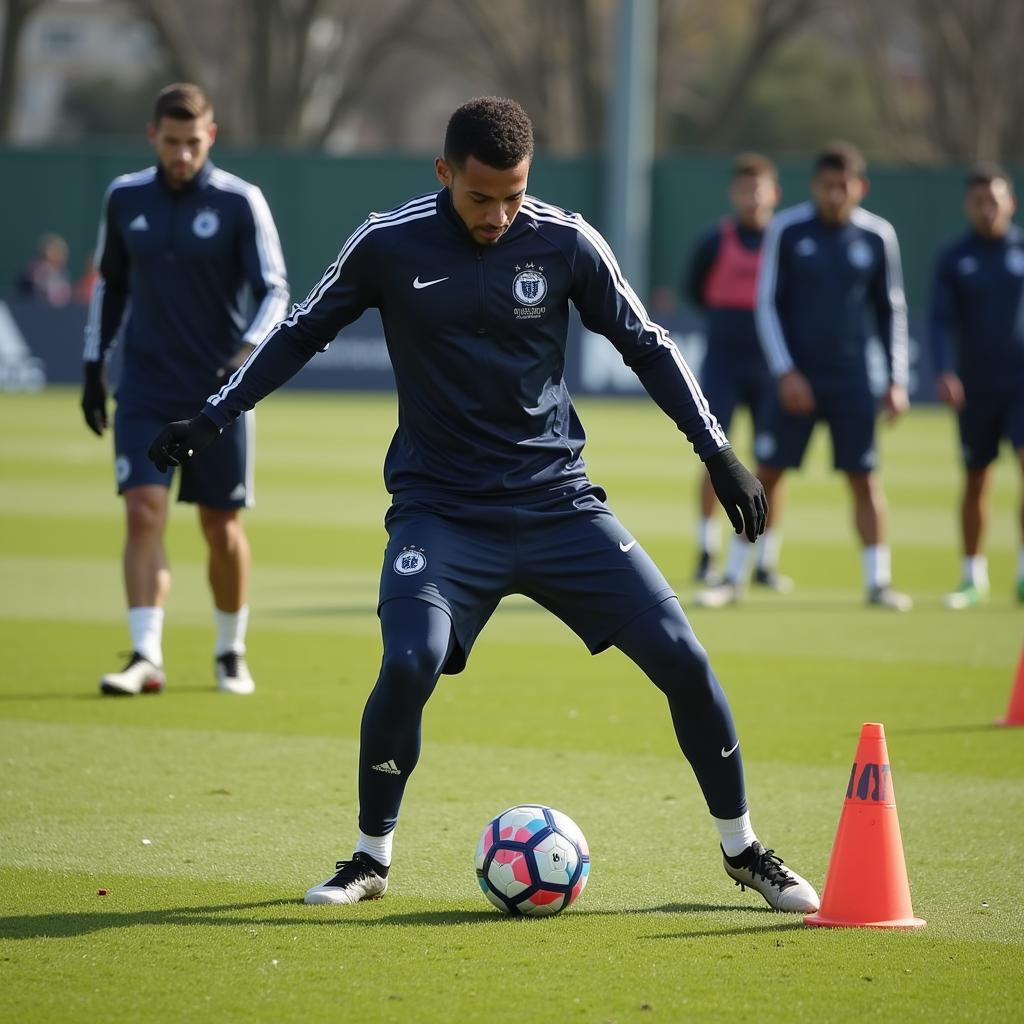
[(417, 641)]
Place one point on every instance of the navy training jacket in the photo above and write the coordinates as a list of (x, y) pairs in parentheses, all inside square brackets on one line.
[(821, 291), (180, 270), (477, 336), (976, 321)]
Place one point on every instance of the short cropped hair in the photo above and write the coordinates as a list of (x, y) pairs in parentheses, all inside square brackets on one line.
[(181, 101), (985, 174), (841, 156), (754, 165), (495, 130)]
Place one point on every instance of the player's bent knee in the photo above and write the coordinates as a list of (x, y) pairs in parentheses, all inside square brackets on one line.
[(409, 674), (144, 512), (222, 528), (662, 643), (685, 667)]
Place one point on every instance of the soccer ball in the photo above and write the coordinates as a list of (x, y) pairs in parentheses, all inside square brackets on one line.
[(532, 860)]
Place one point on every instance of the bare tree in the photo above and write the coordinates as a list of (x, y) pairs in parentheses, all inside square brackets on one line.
[(969, 84), (16, 17), (554, 63), (774, 22), (973, 67), (297, 68)]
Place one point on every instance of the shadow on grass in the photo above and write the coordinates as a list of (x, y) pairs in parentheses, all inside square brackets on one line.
[(787, 925), (95, 695), (71, 925)]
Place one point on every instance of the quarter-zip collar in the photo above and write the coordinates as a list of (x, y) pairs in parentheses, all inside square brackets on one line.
[(198, 183)]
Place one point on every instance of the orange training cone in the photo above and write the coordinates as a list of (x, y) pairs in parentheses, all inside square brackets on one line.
[(1015, 712), (866, 884)]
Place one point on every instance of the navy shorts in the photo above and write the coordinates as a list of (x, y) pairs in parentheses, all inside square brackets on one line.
[(728, 383), (568, 553), (850, 415), (220, 476), (987, 418)]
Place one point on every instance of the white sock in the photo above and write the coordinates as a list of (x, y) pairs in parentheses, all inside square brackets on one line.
[(976, 570), (1020, 565), (378, 847), (739, 559), (709, 535), (146, 626), (768, 548), (877, 562), (737, 834), (231, 627)]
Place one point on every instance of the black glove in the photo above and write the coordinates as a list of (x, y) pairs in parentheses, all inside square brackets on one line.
[(94, 398), (181, 440), (740, 493)]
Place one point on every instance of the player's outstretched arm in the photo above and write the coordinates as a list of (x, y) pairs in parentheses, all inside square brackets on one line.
[(740, 493), (181, 440)]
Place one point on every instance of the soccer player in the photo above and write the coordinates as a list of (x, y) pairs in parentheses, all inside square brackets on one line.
[(490, 492), (828, 266), (189, 260), (722, 281), (977, 338)]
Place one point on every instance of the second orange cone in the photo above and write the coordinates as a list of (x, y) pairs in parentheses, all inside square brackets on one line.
[(866, 885), (1015, 712)]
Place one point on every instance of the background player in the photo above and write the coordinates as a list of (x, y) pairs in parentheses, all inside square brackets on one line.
[(178, 244), (828, 267), (722, 281), (490, 493), (977, 338)]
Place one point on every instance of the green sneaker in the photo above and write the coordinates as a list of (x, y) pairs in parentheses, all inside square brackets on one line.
[(968, 595)]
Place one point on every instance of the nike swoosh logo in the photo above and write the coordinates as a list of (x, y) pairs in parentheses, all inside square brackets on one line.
[(626, 547), (417, 283), (729, 753)]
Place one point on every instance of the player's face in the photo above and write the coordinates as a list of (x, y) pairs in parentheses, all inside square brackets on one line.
[(485, 198), (837, 194), (754, 198), (182, 146), (990, 207)]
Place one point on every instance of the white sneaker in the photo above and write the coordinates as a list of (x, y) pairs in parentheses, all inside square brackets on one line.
[(139, 676), (967, 595), (772, 579), (719, 596), (233, 674), (759, 869), (886, 597), (361, 878)]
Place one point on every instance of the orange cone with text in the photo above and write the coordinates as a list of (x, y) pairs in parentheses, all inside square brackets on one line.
[(866, 885), (1015, 712)]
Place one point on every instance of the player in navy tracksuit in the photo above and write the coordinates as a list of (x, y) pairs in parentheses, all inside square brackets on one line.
[(722, 282), (977, 338), (828, 268), (184, 250), (490, 492)]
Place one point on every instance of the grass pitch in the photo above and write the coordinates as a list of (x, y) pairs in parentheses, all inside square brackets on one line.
[(206, 817)]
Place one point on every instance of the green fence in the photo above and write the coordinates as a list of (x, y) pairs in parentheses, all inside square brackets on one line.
[(318, 200)]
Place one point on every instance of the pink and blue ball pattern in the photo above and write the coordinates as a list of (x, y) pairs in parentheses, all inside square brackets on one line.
[(532, 860)]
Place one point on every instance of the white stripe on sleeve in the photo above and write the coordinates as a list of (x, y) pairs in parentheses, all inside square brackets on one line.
[(899, 342), (554, 215), (415, 209), (766, 313), (94, 320)]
